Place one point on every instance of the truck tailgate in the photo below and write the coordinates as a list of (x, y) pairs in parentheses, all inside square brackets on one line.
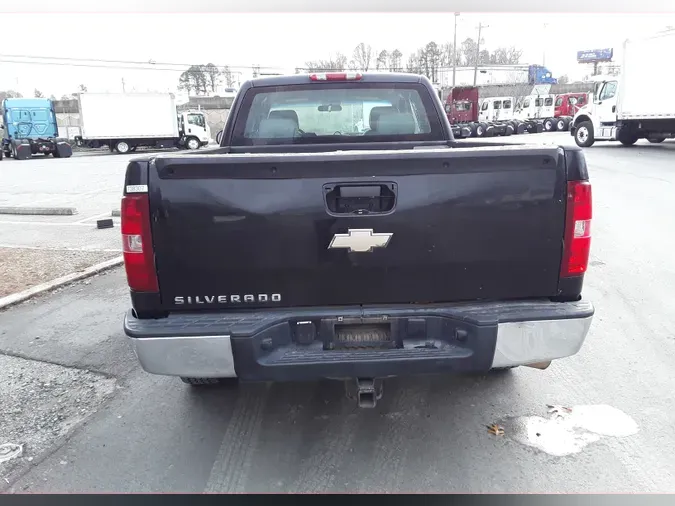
[(275, 230)]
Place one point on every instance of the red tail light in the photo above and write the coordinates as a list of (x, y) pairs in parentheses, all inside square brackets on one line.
[(577, 229), (139, 257), (337, 76)]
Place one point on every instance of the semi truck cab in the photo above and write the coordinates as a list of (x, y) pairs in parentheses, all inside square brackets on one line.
[(496, 109), (30, 128)]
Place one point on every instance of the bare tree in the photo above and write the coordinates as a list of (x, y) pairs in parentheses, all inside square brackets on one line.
[(338, 62), (362, 56), (9, 94), (82, 89), (212, 76), (229, 78), (185, 82), (413, 66), (382, 60), (395, 61), (37, 93), (468, 52)]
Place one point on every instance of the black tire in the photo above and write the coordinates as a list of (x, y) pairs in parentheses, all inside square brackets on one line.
[(583, 135), (198, 382), (560, 125), (122, 147), (17, 153), (568, 122), (521, 129), (653, 141), (480, 129), (549, 125), (2, 152), (509, 130), (627, 138)]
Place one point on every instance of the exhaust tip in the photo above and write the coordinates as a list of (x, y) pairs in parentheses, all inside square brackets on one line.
[(539, 365)]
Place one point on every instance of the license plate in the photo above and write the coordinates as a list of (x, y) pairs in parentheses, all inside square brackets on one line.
[(363, 336)]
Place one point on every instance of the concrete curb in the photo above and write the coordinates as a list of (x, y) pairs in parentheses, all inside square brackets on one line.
[(15, 298), (39, 211)]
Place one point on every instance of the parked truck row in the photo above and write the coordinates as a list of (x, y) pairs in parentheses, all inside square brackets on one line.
[(120, 121), (536, 112)]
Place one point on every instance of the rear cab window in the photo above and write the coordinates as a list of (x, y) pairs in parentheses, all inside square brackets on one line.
[(321, 113)]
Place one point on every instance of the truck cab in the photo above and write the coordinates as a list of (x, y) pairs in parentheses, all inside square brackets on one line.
[(496, 109), (537, 107), (461, 106), (597, 120), (194, 129), (30, 128), (567, 104)]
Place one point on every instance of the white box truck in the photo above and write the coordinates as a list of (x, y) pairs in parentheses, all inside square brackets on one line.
[(639, 103), (125, 121)]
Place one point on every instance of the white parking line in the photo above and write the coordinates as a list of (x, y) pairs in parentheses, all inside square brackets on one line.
[(51, 224), (85, 248), (84, 220)]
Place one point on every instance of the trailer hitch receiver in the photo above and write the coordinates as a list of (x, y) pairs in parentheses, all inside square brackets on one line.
[(366, 391)]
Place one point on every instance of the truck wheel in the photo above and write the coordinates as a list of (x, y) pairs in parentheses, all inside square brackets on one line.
[(549, 125), (21, 150), (583, 135), (628, 141), (509, 130), (63, 150), (193, 143), (2, 152), (560, 125), (122, 147), (197, 382), (522, 128)]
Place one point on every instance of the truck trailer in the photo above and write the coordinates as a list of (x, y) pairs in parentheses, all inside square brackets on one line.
[(629, 107), (125, 121), (29, 128)]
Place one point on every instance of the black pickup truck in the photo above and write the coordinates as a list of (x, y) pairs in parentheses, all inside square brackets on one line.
[(339, 231)]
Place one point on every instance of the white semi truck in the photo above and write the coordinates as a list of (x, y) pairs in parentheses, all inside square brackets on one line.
[(125, 121), (639, 103)]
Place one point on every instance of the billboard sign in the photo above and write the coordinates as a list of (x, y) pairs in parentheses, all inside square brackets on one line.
[(594, 55)]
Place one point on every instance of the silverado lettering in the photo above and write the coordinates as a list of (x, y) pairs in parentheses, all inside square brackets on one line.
[(398, 250), (224, 299)]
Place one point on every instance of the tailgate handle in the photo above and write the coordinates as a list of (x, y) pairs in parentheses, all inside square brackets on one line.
[(360, 199)]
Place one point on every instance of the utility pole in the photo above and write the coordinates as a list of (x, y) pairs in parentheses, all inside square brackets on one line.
[(124, 90), (454, 52), (475, 68), (543, 39)]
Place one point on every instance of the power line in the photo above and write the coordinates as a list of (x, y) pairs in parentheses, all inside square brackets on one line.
[(154, 64), (158, 67)]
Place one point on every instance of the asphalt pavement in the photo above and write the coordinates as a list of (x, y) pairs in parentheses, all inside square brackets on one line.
[(427, 434)]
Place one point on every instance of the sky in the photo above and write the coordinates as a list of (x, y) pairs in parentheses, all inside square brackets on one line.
[(279, 42)]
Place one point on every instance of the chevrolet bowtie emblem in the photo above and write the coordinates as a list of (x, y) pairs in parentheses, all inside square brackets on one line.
[(362, 240)]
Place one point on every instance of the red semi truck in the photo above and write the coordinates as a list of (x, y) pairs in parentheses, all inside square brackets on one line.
[(566, 106)]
